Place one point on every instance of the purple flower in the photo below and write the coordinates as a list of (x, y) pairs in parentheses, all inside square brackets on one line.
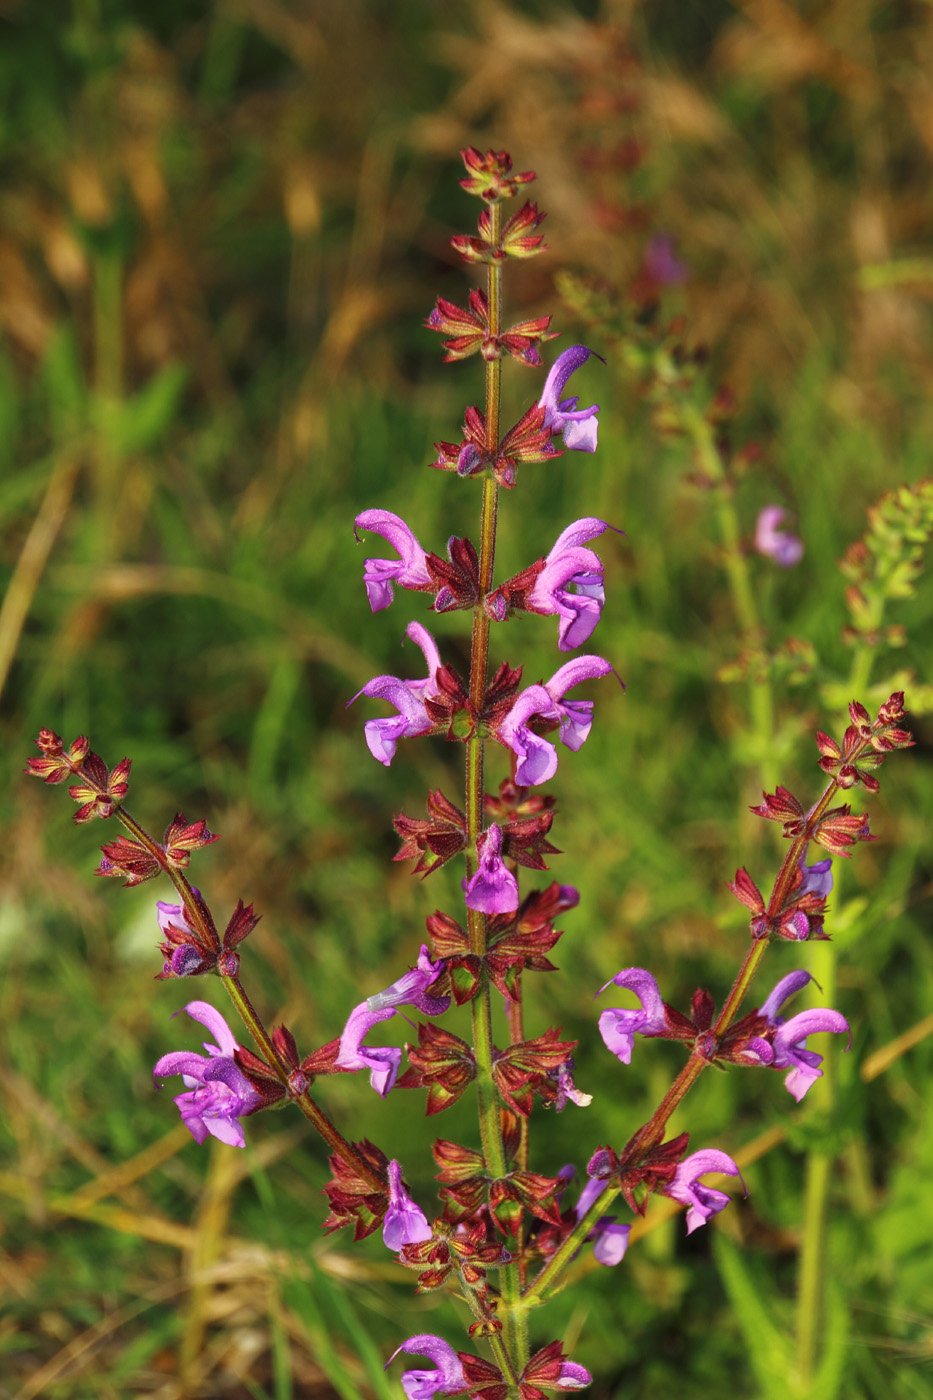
[(383, 1061), (404, 1223), (379, 575), (568, 566), (780, 545), (661, 264), (817, 878), (493, 889), (410, 990), (686, 1187), (408, 697), (537, 757), (789, 1045), (618, 1028), (578, 425), (572, 1376), (567, 1091), (218, 1094), (445, 1380), (610, 1240)]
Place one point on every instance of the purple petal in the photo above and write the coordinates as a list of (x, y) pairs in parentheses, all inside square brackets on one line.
[(404, 1222), (780, 545), (618, 1027), (383, 1062), (409, 990), (579, 426), (686, 1187), (210, 1017), (611, 1243), (537, 758), (573, 1377), (181, 1062), (410, 571), (817, 878), (790, 1051), (493, 889), (447, 1378), (576, 716), (784, 989)]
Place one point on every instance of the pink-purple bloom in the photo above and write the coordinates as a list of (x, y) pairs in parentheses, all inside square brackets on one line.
[(404, 1223), (609, 1239), (578, 425), (686, 1186), (567, 1091), (447, 1376), (618, 1027), (571, 584), (493, 889), (408, 697), (384, 1061), (789, 1045), (780, 545), (186, 959), (817, 878), (537, 758), (217, 1093), (379, 575), (661, 264)]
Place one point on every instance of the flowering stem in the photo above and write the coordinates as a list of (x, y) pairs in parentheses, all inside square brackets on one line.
[(200, 922), (562, 1256)]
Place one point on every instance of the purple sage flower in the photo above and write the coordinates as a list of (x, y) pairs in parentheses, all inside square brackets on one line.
[(410, 990), (404, 1223), (493, 889), (570, 566), (567, 1091), (618, 1028), (408, 697), (661, 264), (537, 757), (383, 1061), (446, 1379), (379, 575), (789, 1044), (686, 1187), (780, 545), (817, 878), (610, 1240), (578, 425), (217, 1094)]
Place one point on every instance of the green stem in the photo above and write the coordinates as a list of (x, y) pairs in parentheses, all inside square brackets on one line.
[(562, 1256)]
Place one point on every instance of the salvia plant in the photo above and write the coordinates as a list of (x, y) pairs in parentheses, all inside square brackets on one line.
[(502, 1233)]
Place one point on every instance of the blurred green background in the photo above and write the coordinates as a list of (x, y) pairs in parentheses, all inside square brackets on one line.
[(221, 226)]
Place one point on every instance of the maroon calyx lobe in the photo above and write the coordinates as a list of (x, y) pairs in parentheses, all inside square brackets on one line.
[(515, 942), (528, 441), (469, 1251), (513, 594), (469, 329), (452, 700), (350, 1196), (434, 840), (442, 1063), (800, 916), (524, 1069), (455, 578), (636, 1172)]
